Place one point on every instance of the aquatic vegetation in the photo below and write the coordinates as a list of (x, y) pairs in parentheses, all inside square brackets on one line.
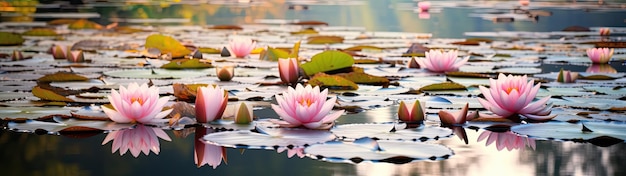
[(60, 51), (456, 118), (141, 139), (211, 102), (136, 103), (289, 70), (600, 55), (241, 47), (411, 112), (566, 76), (225, 73), (306, 106), (75, 56), (244, 113), (512, 95), (442, 61)]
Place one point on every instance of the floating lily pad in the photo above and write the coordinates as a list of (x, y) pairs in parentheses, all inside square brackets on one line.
[(443, 86), (391, 131), (40, 32), (187, 64), (22, 113), (364, 78), (367, 150), (61, 77), (327, 61), (332, 82), (10, 39), (230, 125), (573, 132), (49, 95), (269, 138), (324, 40), (84, 24), (167, 45), (156, 73), (67, 125)]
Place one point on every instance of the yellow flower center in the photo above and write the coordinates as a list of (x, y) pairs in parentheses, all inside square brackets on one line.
[(306, 102), (136, 99), (508, 90)]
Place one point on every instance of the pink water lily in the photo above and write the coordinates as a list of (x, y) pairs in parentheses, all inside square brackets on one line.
[(211, 102), (207, 154), (511, 95), (411, 112), (137, 140), (241, 47), (75, 56), (137, 104), (604, 31), (508, 140), (225, 73), (59, 51), (600, 55), (566, 76), (423, 6), (306, 106), (439, 61), (455, 118), (288, 70)]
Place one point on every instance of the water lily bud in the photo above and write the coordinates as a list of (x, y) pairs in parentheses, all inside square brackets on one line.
[(566, 76), (604, 31), (75, 56), (288, 70), (210, 103), (59, 51), (423, 6), (17, 55), (243, 114), (225, 73), (412, 112), (413, 63)]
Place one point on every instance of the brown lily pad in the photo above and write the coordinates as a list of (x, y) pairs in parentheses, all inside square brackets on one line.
[(49, 95), (186, 92), (84, 24), (62, 77), (310, 23), (226, 27)]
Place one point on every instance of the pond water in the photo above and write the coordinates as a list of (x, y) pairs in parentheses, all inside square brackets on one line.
[(38, 153)]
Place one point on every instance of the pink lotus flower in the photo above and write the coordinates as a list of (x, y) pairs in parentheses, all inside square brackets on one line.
[(524, 2), (439, 61), (460, 117), (423, 6), (244, 113), (508, 140), (241, 47), (207, 154), (566, 76), (600, 68), (75, 56), (306, 106), (511, 95), (411, 112), (604, 31), (292, 151), (59, 51), (137, 104), (225, 73), (600, 55), (288, 70), (211, 102), (139, 139)]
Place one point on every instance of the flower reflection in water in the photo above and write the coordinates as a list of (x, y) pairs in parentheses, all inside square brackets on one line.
[(139, 139), (292, 151), (207, 154), (601, 68), (508, 140)]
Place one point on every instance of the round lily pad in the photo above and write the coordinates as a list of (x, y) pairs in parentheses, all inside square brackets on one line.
[(13, 113), (268, 138), (67, 125), (390, 131), (576, 132), (368, 150)]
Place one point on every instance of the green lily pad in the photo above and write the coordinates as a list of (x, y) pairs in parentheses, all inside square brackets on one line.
[(363, 47), (187, 64), (364, 78), (443, 86), (327, 61), (209, 50), (305, 32), (167, 45), (324, 40), (10, 39), (332, 82), (62, 77), (49, 95), (40, 32)]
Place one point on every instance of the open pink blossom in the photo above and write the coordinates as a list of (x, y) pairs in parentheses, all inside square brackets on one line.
[(241, 47), (139, 139), (439, 61), (511, 95), (566, 76), (508, 140), (137, 104), (411, 112), (306, 106), (455, 118), (211, 102), (423, 6), (600, 55), (207, 154), (288, 70)]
